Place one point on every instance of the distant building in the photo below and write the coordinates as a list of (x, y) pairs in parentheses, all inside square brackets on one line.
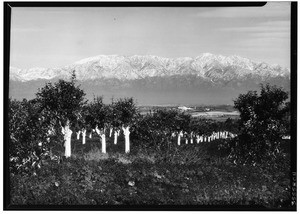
[(184, 108)]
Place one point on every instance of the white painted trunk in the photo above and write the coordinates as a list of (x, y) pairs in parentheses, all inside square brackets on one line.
[(127, 140), (90, 135), (201, 138), (110, 132), (204, 139), (178, 139), (118, 132), (67, 132), (186, 141), (208, 139), (127, 143), (103, 142), (101, 133), (115, 137), (198, 138), (78, 135), (83, 136), (192, 138)]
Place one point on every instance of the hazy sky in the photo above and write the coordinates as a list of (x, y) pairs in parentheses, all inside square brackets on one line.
[(53, 37)]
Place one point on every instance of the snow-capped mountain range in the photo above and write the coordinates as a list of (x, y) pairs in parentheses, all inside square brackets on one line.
[(207, 66), (206, 79)]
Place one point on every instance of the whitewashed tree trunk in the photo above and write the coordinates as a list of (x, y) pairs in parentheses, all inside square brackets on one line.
[(90, 135), (180, 134), (110, 131), (78, 135), (204, 139), (101, 133), (186, 141), (115, 137), (192, 138), (118, 132), (198, 138), (83, 136), (127, 140), (178, 139), (201, 138), (67, 132), (103, 143), (208, 139)]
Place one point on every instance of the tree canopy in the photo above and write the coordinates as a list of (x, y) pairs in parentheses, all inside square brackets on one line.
[(63, 99), (263, 122)]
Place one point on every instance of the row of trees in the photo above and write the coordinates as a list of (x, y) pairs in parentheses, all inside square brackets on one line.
[(158, 129), (59, 109)]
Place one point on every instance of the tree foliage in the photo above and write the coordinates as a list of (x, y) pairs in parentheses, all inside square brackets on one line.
[(27, 135), (98, 114), (263, 123), (124, 112), (155, 130), (63, 100)]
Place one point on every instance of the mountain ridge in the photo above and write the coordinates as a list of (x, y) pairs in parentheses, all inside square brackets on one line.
[(207, 66), (152, 80)]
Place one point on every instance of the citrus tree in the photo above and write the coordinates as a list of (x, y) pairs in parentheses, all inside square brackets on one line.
[(61, 102), (98, 119), (125, 113), (27, 135), (263, 123)]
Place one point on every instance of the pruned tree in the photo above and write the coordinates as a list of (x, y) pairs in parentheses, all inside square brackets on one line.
[(62, 103), (82, 124), (115, 121), (98, 119), (125, 113)]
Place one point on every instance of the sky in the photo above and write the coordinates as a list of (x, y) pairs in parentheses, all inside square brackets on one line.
[(55, 37)]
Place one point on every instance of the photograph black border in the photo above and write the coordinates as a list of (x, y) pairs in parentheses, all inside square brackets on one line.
[(7, 7)]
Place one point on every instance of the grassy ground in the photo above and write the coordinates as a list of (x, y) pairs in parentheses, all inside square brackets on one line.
[(196, 174)]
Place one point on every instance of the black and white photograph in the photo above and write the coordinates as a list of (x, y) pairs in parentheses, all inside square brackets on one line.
[(150, 106)]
